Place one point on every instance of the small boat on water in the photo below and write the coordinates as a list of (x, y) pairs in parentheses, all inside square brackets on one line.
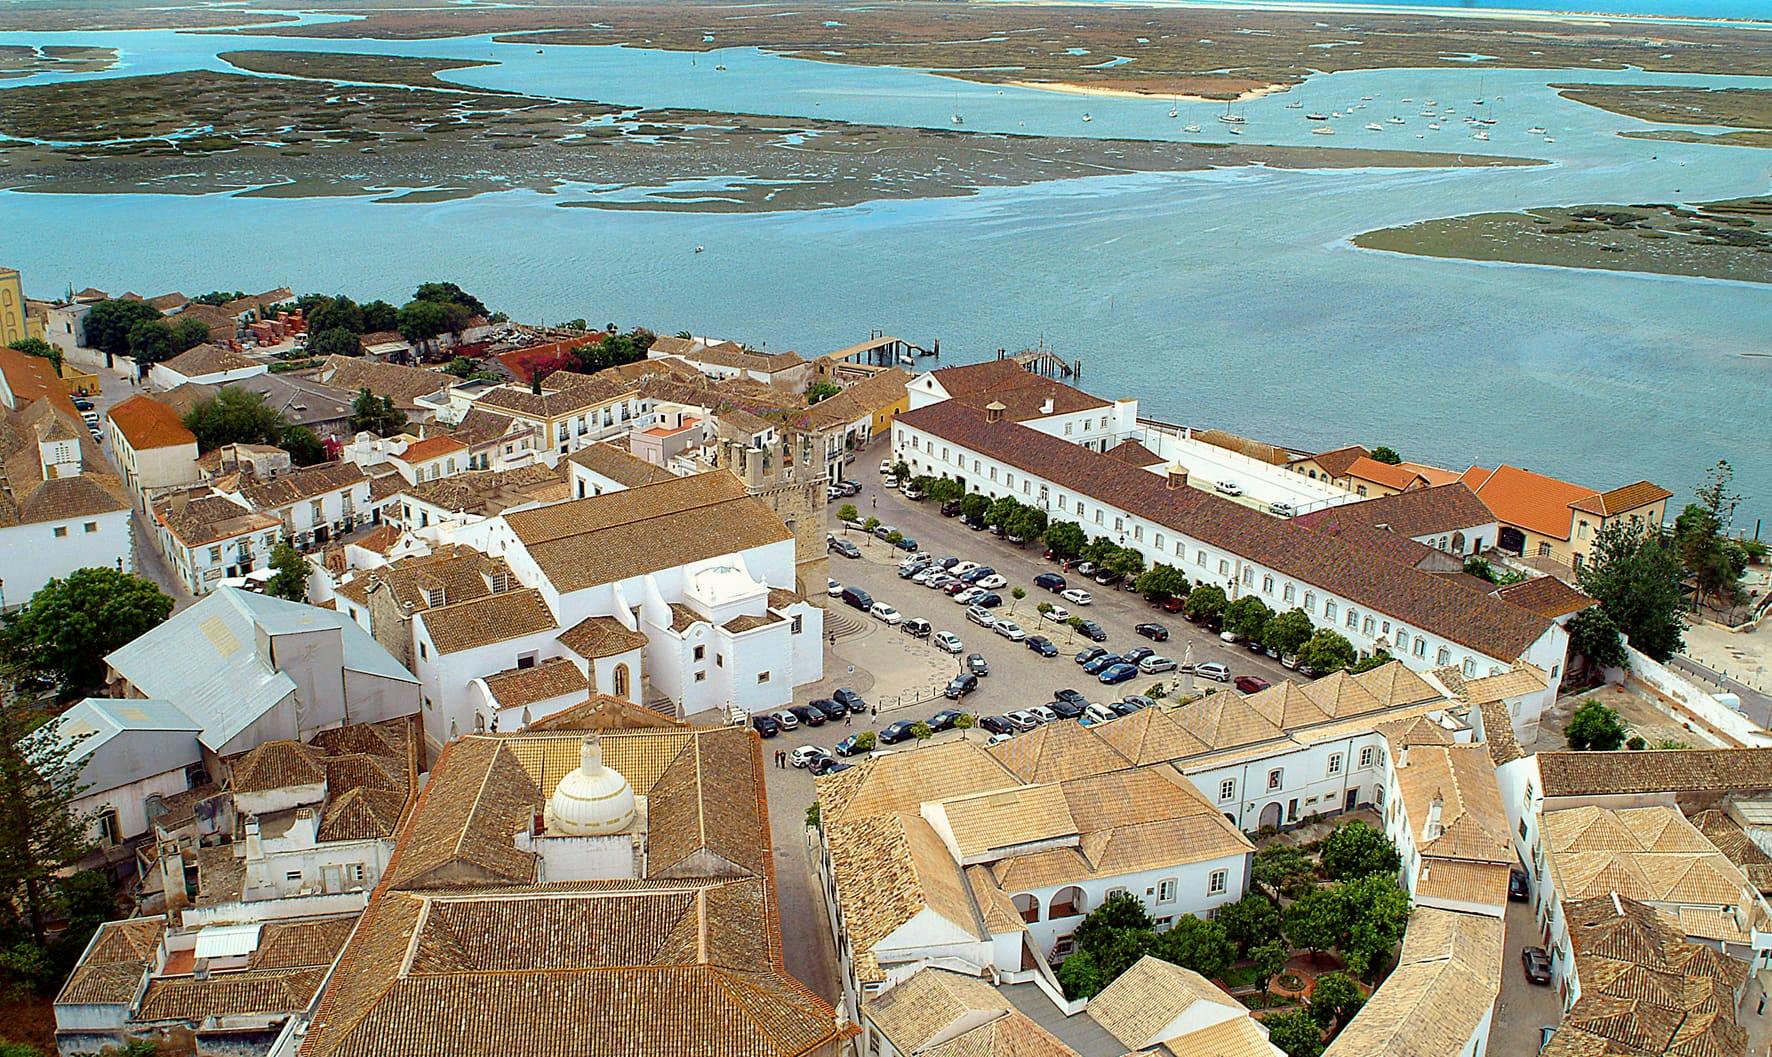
[(1174, 112), (1295, 105), (958, 120), (1535, 130), (1314, 116), (1086, 116), (1191, 128), (1435, 125), (1395, 120), (722, 69), (1322, 130), (1549, 139), (1373, 126), (700, 249), (1231, 119), (1481, 134), (1235, 131)]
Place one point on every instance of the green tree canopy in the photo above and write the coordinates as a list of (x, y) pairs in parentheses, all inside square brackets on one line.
[(335, 313), (1335, 999), (1205, 602), (150, 341), (1065, 539), (1127, 561), (1594, 727), (974, 506), (235, 416), (41, 835), (847, 512), (379, 315), (1373, 660), (1268, 959), (1247, 617), (1196, 944), (1386, 455), (1375, 911), (821, 390), (334, 342), (1080, 976), (1286, 633), (1593, 637), (1637, 581), (1162, 581), (303, 445), (69, 625), (1000, 511), (289, 577), (1250, 921), (188, 333), (1295, 1032), (1327, 650), (108, 324), (420, 321), (375, 414), (944, 490), (1278, 867), (1315, 920), (451, 294), (1027, 524), (1357, 849)]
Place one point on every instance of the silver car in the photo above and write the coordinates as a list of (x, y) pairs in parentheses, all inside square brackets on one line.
[(1213, 670), (1156, 663)]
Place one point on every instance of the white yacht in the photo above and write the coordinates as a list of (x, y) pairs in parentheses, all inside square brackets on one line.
[(958, 120), (1535, 130), (1231, 119), (1435, 125), (1395, 120), (1373, 126), (1482, 134), (1190, 128), (1295, 105), (1086, 116), (1322, 130)]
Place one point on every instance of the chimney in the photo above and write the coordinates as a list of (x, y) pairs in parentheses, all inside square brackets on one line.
[(1046, 408), (255, 846), (1176, 477), (993, 411)]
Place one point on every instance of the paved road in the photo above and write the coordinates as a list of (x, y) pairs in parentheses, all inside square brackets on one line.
[(148, 560), (1523, 1006)]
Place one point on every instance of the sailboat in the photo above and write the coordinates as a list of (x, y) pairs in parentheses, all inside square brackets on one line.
[(1229, 118), (1191, 128), (1173, 111), (1295, 105)]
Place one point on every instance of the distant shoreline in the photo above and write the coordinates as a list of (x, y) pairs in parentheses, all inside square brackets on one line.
[(1072, 88), (1366, 8)]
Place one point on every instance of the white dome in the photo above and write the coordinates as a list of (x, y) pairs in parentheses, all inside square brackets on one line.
[(592, 800)]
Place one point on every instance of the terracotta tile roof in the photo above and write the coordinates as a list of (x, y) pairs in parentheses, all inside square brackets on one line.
[(704, 813), (600, 539), (1661, 771), (888, 869), (403, 385), (1444, 986), (608, 460), (750, 622), (984, 824), (641, 754), (208, 359), (1649, 853), (902, 781), (115, 963), (595, 637), (430, 448), (230, 994), (1057, 752), (1530, 500), (1468, 617), (1460, 780), (1624, 499), (363, 814), (146, 423), (1259, 450), (491, 492), (604, 712), (1022, 392), (1523, 679), (1390, 475), (1420, 512), (927, 1004), (465, 821), (1339, 461), (864, 399), (1730, 839), (29, 498), (277, 765), (1435, 476), (1463, 881), (1547, 596), (482, 621), (1135, 454), (1141, 1004), (33, 378), (299, 484), (564, 393), (302, 944), (1644, 988), (554, 677), (449, 574), (211, 519), (732, 354), (1014, 1034), (995, 906)]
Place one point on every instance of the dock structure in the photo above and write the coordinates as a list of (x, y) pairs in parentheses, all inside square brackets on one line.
[(880, 350), (1045, 362)]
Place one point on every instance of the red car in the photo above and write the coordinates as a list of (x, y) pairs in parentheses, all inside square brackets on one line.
[(1250, 684), (1174, 605)]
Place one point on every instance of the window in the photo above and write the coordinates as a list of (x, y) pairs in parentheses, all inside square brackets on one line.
[(90, 526), (1470, 666), (1366, 757), (1098, 515), (1085, 425), (1310, 601), (1444, 657), (719, 660), (1273, 778), (1421, 647), (1249, 575), (701, 677), (795, 627), (762, 677), (1200, 559), (1267, 585), (1544, 550), (1166, 890), (1118, 891), (1286, 593), (700, 653), (1328, 610), (293, 875), (1217, 882), (1067, 429), (1335, 763), (1353, 618), (1366, 627), (1227, 789), (1402, 638), (353, 872), (215, 554), (61, 531), (422, 651), (1159, 541), (1224, 567)]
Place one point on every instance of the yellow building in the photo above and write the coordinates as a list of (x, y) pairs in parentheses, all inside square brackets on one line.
[(16, 323), (1542, 517)]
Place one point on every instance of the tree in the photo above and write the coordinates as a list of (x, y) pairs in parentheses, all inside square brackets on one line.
[(1027, 524), (1160, 582), (1080, 977), (451, 294), (1377, 659), (289, 577), (866, 741), (920, 730), (41, 834), (821, 390), (1278, 868), (1250, 922), (965, 721), (420, 321), (335, 313), (901, 470), (303, 445), (1126, 561), (234, 416), (1315, 920), (1295, 1032), (1000, 511), (1247, 617), (1205, 602), (1594, 727), (375, 414), (1326, 651), (1196, 944), (1286, 633), (944, 490), (1386, 455), (1716, 494), (870, 524), (812, 815), (1375, 911), (1594, 638), (1355, 849), (39, 348), (895, 537), (847, 513), (1118, 911), (150, 341), (69, 625), (1480, 568), (1018, 593), (1637, 581), (1269, 959), (108, 324), (1065, 539), (379, 315), (188, 333), (335, 342), (974, 506), (1335, 999)]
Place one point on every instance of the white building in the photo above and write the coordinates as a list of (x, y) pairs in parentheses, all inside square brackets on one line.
[(1443, 812), (1040, 403), (206, 364), (127, 753), (1376, 601), (155, 449), (313, 503), (209, 537)]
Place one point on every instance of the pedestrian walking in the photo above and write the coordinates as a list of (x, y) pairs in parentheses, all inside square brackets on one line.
[(874, 710), (846, 719)]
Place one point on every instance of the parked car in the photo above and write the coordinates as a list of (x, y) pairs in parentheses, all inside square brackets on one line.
[(908, 569), (1094, 714), (832, 588), (1092, 631), (1139, 701), (1067, 694), (1089, 653), (957, 586), (988, 600), (1022, 720), (998, 739), (946, 563), (883, 531), (1077, 596), (975, 524), (1518, 889), (923, 576), (966, 595), (947, 642), (850, 487), (885, 467), (977, 665), (1122, 708), (1085, 568), (1213, 670), (1229, 488), (1102, 663), (944, 720), (1251, 684), (1229, 636), (849, 746), (916, 628), (1281, 508), (830, 708), (1010, 630), (1041, 645), (809, 716), (850, 700), (832, 493), (1174, 604), (844, 548), (1157, 663), (981, 616), (885, 614), (996, 725), (1049, 581), (951, 508), (1056, 614), (1108, 578), (911, 492), (1137, 653), (1114, 674), (1537, 965), (906, 544), (939, 581), (960, 685), (961, 568), (1154, 632), (894, 733), (826, 765), (82, 403), (787, 719), (805, 754), (977, 573), (993, 582), (1065, 709), (1043, 713), (765, 727)]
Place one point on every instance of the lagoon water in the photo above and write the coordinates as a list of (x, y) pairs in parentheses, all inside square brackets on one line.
[(1230, 298)]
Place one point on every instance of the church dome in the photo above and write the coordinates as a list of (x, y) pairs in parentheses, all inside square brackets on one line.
[(592, 800)]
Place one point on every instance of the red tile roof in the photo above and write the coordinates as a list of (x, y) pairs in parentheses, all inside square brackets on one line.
[(1530, 500), (1421, 512), (1629, 497), (1450, 610), (147, 423), (430, 448), (31, 378)]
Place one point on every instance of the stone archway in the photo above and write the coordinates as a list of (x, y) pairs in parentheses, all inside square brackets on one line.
[(1512, 540), (1270, 816)]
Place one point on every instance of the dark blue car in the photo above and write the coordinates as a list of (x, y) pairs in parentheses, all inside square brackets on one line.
[(1102, 663), (1117, 673)]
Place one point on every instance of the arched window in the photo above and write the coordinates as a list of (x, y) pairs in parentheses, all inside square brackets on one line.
[(1458, 543), (621, 682), (1027, 906), (1069, 902)]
